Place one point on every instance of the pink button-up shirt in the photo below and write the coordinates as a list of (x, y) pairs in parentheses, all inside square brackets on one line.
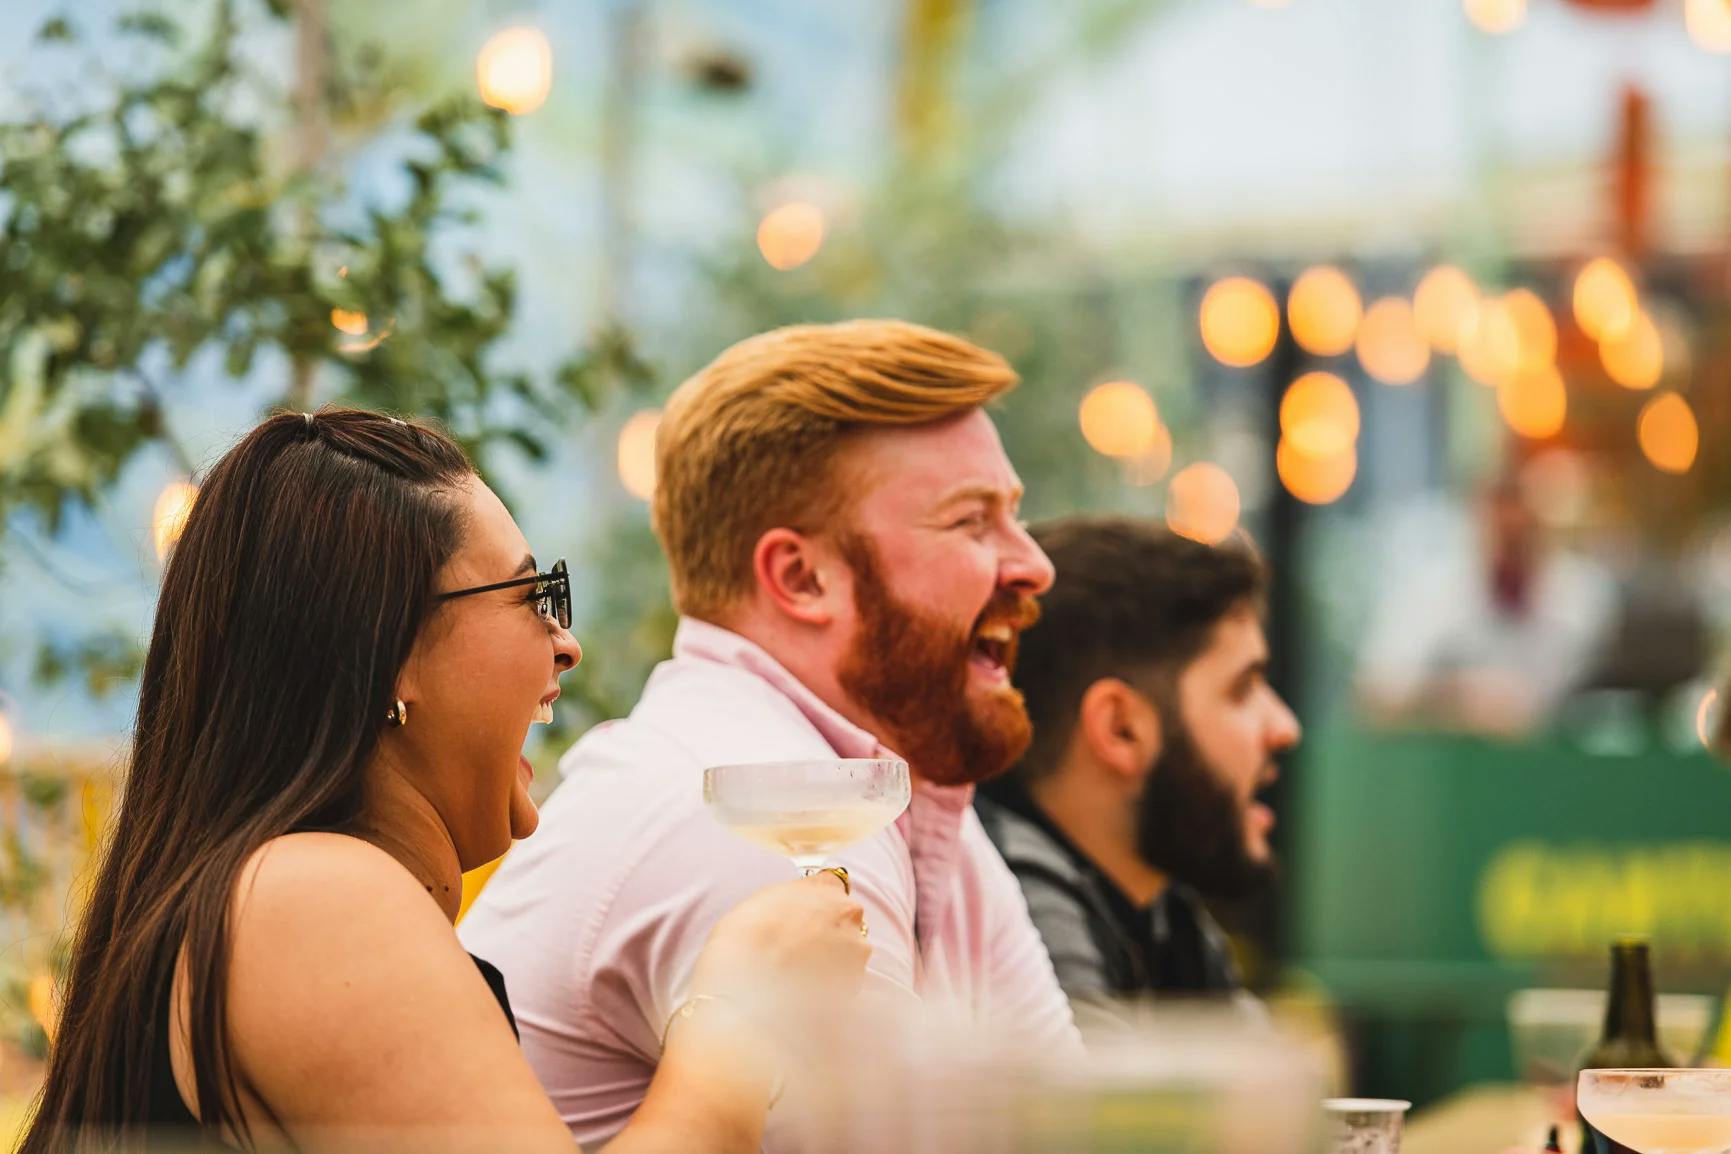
[(598, 918)]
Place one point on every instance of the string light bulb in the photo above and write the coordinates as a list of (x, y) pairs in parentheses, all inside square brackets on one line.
[(1319, 414), (1390, 345), (514, 70), (168, 517), (1315, 480), (637, 453), (1202, 503), (1323, 309), (1496, 17), (1119, 419), (790, 234), (1604, 299), (1444, 297), (1668, 433), (1240, 321)]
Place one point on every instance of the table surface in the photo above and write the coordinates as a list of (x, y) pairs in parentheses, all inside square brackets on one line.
[(1488, 1119)]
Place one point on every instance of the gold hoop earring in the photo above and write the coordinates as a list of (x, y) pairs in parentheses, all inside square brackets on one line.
[(397, 714)]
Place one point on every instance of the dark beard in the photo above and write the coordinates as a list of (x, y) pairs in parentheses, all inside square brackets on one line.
[(1190, 827), (911, 673)]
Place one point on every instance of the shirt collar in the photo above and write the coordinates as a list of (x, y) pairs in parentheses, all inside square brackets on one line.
[(705, 641)]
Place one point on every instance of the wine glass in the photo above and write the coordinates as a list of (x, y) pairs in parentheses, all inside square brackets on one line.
[(807, 810), (1659, 1111)]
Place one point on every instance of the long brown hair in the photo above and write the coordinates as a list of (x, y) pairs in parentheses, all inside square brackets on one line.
[(303, 576)]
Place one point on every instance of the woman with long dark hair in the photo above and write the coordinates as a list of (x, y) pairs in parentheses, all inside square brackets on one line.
[(350, 645)]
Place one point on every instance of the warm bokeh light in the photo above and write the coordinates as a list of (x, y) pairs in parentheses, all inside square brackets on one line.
[(1604, 298), (349, 323), (790, 234), (1315, 480), (1323, 309), (1119, 419), (637, 453), (1319, 415), (1148, 467), (1709, 24), (1635, 358), (1668, 433), (1496, 17), (1535, 402), (6, 739), (514, 70), (1390, 346), (44, 1004), (1202, 503), (1490, 344), (1240, 321), (168, 518), (1535, 329), (1441, 303)]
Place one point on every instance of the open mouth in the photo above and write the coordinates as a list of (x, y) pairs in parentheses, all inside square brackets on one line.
[(544, 711), (994, 647), (1261, 813)]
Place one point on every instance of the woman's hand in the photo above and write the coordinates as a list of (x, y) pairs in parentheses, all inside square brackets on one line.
[(773, 957), (800, 938)]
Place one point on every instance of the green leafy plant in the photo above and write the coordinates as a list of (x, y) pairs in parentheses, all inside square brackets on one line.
[(162, 224)]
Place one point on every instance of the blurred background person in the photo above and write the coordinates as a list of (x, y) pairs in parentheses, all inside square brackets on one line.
[(1155, 730), (1487, 632)]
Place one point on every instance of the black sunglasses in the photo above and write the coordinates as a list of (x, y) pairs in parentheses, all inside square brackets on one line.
[(552, 592)]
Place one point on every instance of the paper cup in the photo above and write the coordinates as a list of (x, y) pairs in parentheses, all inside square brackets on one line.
[(1364, 1125)]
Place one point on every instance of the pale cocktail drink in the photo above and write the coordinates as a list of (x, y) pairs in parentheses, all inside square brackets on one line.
[(1659, 1111), (808, 810)]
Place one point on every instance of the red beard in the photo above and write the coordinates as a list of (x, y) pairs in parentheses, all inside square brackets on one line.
[(911, 673)]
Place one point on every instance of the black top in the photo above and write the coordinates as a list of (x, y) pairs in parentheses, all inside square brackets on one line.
[(1102, 943), (168, 1115)]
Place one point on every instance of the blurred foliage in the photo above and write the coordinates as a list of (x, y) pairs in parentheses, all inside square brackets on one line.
[(107, 662), (161, 223)]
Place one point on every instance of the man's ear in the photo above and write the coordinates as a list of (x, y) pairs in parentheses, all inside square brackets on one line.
[(1121, 727), (801, 577)]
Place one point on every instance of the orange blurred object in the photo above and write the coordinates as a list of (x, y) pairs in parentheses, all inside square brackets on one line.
[(790, 235), (1202, 503), (1634, 165), (1240, 321), (1390, 346), (1535, 403), (1535, 331), (1315, 480), (1323, 309), (1668, 433), (1490, 343), (1119, 419), (1604, 298), (1635, 358), (1319, 415), (1441, 303)]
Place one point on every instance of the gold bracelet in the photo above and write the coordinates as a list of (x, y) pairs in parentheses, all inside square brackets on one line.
[(688, 1008)]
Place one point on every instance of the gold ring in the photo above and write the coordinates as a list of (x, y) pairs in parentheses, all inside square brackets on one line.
[(841, 873)]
